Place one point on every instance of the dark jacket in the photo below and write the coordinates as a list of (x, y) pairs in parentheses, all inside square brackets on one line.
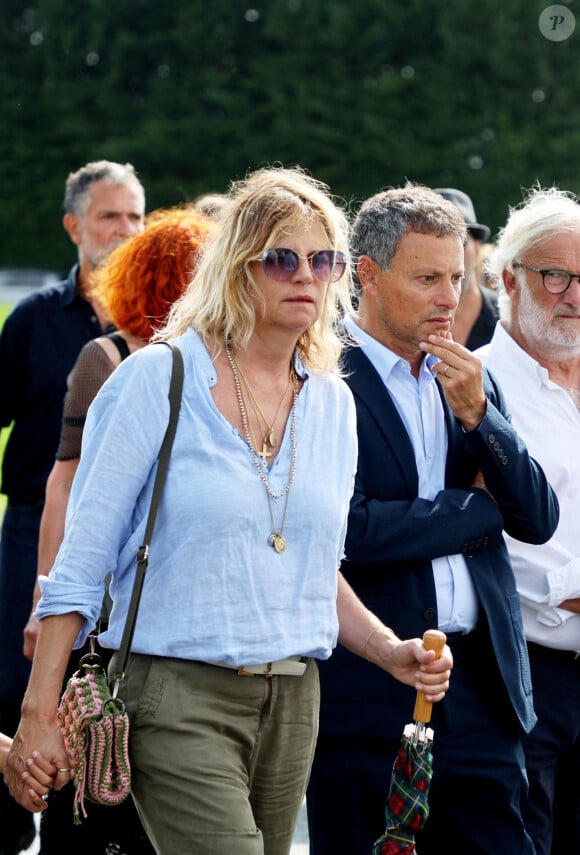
[(393, 535)]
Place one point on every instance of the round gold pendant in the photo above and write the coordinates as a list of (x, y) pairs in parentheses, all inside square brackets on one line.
[(277, 541)]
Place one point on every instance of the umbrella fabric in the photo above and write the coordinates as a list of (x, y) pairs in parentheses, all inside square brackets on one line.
[(407, 808)]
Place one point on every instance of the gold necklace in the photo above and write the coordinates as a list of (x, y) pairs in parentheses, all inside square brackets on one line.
[(269, 440), (276, 540)]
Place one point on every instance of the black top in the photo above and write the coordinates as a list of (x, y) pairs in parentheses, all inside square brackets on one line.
[(39, 345), (483, 328)]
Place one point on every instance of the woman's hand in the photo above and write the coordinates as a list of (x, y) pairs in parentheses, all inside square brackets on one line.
[(39, 778), (38, 733), (36, 762), (409, 662)]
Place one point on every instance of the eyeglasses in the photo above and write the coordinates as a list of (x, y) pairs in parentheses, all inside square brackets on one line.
[(328, 265), (554, 281)]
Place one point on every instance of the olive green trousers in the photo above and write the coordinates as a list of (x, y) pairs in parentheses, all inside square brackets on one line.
[(220, 761)]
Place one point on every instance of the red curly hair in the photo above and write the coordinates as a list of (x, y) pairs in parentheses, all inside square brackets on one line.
[(144, 276)]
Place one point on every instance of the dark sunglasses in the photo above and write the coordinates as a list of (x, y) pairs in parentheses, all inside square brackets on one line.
[(328, 265)]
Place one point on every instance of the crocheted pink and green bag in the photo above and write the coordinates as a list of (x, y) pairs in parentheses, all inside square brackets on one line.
[(95, 728)]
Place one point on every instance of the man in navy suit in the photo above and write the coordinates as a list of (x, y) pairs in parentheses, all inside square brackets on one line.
[(441, 475)]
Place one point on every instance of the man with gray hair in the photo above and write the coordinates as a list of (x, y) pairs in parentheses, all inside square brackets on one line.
[(441, 473), (104, 205), (535, 354)]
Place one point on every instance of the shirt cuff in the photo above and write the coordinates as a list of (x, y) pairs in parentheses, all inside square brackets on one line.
[(61, 598), (564, 582)]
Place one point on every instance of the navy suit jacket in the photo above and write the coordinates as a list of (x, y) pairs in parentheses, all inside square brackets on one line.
[(393, 535)]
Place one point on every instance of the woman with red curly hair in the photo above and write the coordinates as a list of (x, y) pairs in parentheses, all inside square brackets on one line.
[(143, 277)]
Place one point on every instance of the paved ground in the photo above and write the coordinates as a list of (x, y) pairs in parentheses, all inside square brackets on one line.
[(300, 845)]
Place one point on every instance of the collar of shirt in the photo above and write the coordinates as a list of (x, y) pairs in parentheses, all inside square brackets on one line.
[(69, 292), (383, 359), (516, 362)]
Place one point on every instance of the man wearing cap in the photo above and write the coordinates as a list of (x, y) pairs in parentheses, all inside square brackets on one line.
[(477, 312)]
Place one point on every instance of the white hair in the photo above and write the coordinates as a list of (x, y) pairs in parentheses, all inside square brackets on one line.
[(543, 212)]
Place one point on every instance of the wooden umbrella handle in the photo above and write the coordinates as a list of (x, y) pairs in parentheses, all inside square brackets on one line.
[(433, 639)]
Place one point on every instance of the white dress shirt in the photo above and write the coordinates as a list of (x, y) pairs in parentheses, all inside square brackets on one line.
[(546, 418)]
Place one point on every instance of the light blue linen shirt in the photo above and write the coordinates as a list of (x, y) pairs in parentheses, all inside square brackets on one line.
[(215, 590), (419, 406)]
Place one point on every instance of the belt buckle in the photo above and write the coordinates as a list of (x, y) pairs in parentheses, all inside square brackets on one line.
[(243, 673), (267, 672)]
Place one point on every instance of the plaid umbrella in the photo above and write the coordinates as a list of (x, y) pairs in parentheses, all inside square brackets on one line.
[(407, 807)]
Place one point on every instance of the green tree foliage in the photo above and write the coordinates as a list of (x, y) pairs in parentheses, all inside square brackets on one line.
[(365, 95)]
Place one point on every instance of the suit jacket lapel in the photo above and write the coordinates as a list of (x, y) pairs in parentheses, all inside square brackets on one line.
[(371, 393)]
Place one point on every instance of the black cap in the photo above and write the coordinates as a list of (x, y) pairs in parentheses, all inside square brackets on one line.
[(462, 201)]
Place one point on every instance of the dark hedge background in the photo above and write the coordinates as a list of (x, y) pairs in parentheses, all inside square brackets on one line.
[(364, 94)]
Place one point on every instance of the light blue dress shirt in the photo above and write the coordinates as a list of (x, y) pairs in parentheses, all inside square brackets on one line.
[(215, 589), (418, 403)]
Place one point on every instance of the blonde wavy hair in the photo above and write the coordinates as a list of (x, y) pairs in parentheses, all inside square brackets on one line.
[(265, 208)]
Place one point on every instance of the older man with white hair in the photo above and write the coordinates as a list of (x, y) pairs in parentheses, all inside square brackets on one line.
[(535, 354)]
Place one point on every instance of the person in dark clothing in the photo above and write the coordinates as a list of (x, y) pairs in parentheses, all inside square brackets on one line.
[(40, 341), (477, 312)]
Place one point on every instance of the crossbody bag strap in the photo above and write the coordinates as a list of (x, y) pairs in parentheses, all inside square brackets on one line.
[(175, 390)]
